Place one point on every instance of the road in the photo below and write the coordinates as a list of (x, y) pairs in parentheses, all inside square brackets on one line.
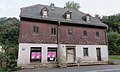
[(97, 68)]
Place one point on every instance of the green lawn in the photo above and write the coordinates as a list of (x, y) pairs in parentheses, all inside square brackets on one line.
[(114, 57), (2, 70)]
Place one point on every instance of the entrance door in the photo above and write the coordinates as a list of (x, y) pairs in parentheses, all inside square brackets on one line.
[(70, 55), (98, 54)]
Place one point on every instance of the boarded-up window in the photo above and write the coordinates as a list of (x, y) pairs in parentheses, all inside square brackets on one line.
[(85, 51), (52, 54), (35, 54)]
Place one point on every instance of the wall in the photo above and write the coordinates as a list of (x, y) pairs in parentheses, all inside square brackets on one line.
[(24, 52), (44, 36)]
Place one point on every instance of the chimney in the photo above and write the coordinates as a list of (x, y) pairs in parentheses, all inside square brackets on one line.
[(52, 6)]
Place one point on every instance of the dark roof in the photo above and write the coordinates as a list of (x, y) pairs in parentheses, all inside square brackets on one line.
[(57, 13)]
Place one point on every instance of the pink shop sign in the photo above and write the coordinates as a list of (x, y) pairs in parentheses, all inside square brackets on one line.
[(36, 55)]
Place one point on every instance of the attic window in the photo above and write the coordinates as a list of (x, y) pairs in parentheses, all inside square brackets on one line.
[(88, 18), (67, 15), (44, 12)]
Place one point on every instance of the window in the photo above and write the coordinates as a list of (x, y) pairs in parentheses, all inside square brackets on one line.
[(53, 31), (45, 13), (70, 32), (35, 54), (67, 16), (97, 34), (85, 33), (52, 54), (85, 51), (36, 29), (87, 18)]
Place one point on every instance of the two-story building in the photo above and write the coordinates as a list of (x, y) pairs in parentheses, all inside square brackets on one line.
[(50, 34)]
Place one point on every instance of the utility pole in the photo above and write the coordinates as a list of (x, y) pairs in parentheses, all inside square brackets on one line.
[(60, 56)]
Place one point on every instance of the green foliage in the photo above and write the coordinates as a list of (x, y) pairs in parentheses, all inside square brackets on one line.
[(113, 43), (113, 22), (72, 5), (3, 69), (9, 31)]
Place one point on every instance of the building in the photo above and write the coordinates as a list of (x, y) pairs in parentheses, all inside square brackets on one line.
[(51, 35)]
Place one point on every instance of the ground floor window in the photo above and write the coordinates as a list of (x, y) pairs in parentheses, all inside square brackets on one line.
[(85, 51), (52, 54), (35, 55)]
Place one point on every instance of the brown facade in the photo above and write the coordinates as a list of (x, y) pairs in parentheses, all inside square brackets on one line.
[(44, 34)]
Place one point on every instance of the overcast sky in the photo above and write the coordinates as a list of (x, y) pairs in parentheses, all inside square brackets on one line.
[(11, 8)]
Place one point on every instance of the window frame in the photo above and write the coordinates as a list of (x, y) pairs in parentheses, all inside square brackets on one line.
[(85, 52), (85, 34), (36, 29), (35, 49), (52, 49), (53, 31), (97, 34), (69, 32)]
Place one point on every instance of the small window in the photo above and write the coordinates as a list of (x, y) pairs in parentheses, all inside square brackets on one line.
[(35, 54), (52, 54), (53, 31), (87, 18), (97, 34), (67, 16), (45, 14), (36, 29), (85, 51), (85, 33), (70, 32)]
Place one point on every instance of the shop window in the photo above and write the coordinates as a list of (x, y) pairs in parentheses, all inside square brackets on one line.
[(52, 54), (35, 54)]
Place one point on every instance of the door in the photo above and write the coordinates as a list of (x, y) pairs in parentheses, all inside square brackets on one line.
[(70, 55), (98, 54)]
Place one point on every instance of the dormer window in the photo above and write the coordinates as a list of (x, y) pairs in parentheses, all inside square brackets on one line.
[(67, 15), (87, 18), (44, 12)]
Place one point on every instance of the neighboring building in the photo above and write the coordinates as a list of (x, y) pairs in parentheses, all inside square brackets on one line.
[(44, 29)]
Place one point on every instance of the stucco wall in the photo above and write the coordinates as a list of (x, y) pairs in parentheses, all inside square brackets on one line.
[(24, 52)]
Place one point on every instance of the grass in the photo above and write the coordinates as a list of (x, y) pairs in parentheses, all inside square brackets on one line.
[(114, 57), (3, 70)]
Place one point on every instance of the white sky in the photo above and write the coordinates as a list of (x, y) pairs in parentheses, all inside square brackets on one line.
[(11, 8)]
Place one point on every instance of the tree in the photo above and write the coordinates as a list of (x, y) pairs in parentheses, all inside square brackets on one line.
[(113, 22), (72, 5), (113, 42), (9, 31)]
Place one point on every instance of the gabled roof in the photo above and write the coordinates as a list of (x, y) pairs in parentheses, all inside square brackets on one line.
[(56, 14)]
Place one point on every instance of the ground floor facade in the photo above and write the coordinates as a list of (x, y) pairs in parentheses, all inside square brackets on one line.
[(48, 53)]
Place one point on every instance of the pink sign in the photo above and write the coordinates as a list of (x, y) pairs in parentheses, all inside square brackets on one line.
[(36, 55), (51, 54)]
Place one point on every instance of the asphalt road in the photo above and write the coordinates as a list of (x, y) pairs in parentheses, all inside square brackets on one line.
[(97, 68)]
